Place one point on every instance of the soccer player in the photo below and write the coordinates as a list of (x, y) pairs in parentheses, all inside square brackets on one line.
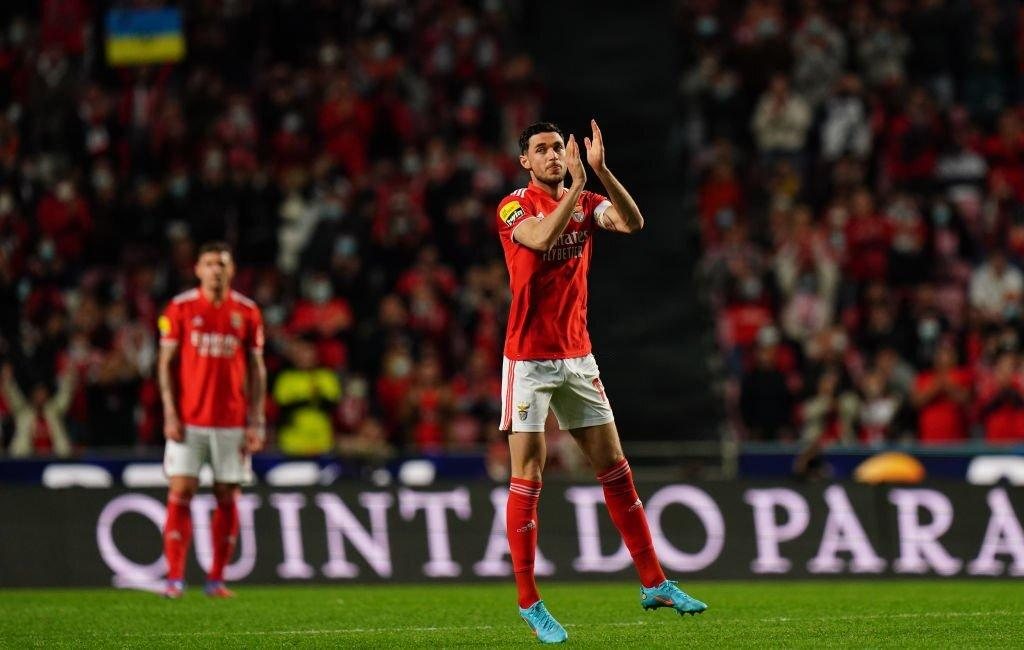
[(213, 408), (546, 231)]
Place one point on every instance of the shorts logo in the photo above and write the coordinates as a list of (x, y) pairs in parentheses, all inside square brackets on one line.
[(164, 325), (600, 388), (524, 410), (577, 214), (236, 320), (510, 212)]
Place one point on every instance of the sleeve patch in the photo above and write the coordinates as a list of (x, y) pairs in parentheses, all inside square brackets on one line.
[(164, 324), (510, 212)]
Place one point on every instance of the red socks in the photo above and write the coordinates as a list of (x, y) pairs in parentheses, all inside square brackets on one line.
[(177, 534), (627, 512), (225, 535), (521, 529)]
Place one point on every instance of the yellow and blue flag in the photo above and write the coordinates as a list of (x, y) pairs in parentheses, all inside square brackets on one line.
[(144, 36)]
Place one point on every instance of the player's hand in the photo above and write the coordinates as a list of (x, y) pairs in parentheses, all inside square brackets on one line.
[(573, 162), (172, 427), (254, 436), (595, 149)]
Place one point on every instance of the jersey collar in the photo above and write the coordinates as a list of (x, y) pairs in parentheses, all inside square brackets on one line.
[(533, 187)]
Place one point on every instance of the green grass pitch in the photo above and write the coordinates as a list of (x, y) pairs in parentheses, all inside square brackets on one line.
[(836, 613)]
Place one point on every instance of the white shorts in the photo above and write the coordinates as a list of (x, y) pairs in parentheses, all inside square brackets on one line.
[(570, 387), (222, 447)]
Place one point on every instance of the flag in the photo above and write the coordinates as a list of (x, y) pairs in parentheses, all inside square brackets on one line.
[(143, 36)]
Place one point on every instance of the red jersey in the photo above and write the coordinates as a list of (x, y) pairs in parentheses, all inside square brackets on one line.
[(214, 341), (548, 315)]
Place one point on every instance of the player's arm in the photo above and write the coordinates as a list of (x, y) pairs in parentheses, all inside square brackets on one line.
[(541, 234), (168, 390), (623, 215), (255, 432)]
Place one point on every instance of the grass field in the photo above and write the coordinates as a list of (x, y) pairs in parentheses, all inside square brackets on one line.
[(839, 613)]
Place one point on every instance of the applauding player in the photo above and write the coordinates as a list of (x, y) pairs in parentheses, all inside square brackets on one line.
[(546, 231), (213, 408)]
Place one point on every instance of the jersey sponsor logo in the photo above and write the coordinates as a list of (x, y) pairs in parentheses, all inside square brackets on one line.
[(524, 410), (510, 212), (577, 214), (164, 325), (213, 344)]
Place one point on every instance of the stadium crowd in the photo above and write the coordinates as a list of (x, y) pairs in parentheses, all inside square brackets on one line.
[(351, 153), (861, 210)]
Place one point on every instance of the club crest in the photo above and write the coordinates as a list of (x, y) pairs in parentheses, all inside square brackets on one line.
[(524, 410), (577, 214), (236, 320)]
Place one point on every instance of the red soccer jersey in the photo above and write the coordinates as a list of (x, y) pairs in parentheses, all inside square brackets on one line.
[(214, 341), (548, 316)]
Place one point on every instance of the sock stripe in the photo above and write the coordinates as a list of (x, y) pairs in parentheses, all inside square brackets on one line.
[(523, 492), (614, 473)]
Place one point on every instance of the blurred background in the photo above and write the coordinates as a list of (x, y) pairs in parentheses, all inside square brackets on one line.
[(834, 194)]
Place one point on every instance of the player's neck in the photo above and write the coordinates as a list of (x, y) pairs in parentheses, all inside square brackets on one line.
[(213, 295), (554, 190)]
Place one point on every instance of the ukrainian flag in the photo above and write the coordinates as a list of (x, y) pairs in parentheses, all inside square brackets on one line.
[(143, 36)]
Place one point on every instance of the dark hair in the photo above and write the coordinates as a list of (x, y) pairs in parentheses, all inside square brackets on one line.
[(214, 247), (534, 129)]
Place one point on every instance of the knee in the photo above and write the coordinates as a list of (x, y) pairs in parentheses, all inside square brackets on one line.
[(181, 493), (531, 469), (225, 495)]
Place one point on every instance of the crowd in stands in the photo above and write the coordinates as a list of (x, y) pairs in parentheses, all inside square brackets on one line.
[(351, 153), (860, 198)]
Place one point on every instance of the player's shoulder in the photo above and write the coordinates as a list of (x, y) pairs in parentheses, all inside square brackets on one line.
[(185, 296), (514, 205), (244, 300), (182, 301)]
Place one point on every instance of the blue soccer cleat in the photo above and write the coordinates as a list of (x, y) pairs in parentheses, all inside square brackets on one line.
[(667, 594), (543, 624), (216, 589)]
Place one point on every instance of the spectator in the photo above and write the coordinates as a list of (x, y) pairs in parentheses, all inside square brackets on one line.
[(845, 129), (830, 413), (941, 396), (1001, 401), (306, 393), (766, 403), (781, 121), (39, 418), (996, 289)]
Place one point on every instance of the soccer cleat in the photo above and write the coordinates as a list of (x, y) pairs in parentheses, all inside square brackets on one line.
[(667, 594), (174, 589), (543, 624), (216, 589)]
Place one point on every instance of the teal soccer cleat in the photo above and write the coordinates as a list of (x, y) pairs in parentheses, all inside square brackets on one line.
[(667, 594), (543, 624)]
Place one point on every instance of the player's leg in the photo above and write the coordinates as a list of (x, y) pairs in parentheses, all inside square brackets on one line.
[(224, 533), (582, 407), (526, 393), (232, 466), (182, 461)]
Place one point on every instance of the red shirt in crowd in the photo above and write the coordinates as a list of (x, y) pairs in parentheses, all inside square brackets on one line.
[(943, 419), (214, 341), (548, 315)]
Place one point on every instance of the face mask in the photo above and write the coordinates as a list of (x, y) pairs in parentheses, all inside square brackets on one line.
[(399, 367), (179, 186), (320, 292)]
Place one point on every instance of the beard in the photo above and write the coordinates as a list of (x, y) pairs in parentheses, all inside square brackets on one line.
[(550, 177)]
